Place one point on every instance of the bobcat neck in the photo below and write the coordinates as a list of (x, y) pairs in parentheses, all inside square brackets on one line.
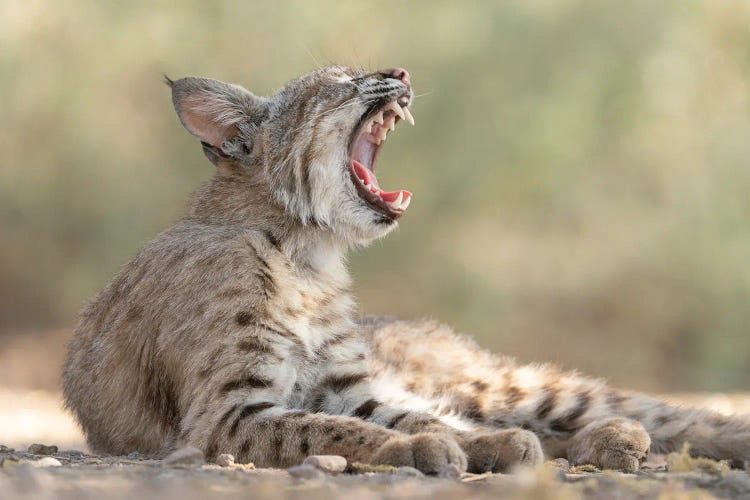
[(237, 200)]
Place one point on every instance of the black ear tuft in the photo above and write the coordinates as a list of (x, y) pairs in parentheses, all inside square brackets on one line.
[(168, 81)]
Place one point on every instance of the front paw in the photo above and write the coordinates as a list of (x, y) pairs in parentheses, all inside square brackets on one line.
[(430, 453), (503, 450)]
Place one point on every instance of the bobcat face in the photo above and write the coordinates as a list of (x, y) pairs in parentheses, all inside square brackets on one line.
[(314, 143)]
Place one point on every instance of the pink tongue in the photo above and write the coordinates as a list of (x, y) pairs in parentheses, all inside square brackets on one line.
[(364, 173), (368, 176)]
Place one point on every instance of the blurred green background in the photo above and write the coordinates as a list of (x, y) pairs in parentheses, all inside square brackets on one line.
[(580, 169)]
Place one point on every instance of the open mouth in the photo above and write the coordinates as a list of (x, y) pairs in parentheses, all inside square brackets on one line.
[(368, 138)]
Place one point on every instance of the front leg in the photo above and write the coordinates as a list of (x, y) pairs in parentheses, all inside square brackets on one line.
[(238, 407), (271, 436)]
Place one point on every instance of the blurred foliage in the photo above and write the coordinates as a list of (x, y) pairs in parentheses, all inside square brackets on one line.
[(580, 169)]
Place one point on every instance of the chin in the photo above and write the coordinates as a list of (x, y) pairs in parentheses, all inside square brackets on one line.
[(359, 226)]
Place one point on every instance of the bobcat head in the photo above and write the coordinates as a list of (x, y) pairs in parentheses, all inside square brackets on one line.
[(313, 145)]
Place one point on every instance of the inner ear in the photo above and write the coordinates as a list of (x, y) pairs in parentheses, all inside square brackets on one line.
[(212, 110), (200, 118)]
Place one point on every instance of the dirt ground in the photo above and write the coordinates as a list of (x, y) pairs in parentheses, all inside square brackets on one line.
[(69, 471)]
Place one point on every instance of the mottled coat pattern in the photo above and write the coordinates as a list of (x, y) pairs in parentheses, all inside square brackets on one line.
[(235, 330)]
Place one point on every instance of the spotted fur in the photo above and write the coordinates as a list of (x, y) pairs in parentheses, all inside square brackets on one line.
[(235, 330)]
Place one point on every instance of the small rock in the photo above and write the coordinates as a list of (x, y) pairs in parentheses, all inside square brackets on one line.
[(451, 471), (225, 460), (5, 449), (409, 472), (133, 456), (327, 463), (42, 449), (305, 471), (185, 456), (72, 453), (46, 462), (560, 463)]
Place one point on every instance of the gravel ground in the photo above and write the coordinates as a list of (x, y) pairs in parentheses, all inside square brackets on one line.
[(48, 473), (41, 471)]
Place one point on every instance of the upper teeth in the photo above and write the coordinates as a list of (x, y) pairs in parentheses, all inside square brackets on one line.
[(409, 117), (396, 109), (379, 125)]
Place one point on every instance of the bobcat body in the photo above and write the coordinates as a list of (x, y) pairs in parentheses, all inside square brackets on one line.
[(235, 330)]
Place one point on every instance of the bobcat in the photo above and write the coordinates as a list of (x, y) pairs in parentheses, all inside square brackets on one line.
[(235, 330)]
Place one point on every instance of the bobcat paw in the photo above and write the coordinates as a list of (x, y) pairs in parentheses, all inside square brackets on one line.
[(501, 451), (616, 443), (430, 453)]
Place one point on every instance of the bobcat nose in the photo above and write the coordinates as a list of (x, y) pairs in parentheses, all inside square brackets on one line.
[(400, 74)]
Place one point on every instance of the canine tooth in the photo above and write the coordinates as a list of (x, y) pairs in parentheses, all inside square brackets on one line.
[(409, 117), (368, 127), (405, 203), (397, 202), (378, 118), (397, 109), (392, 125)]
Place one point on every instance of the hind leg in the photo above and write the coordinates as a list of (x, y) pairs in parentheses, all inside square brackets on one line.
[(613, 443), (572, 414)]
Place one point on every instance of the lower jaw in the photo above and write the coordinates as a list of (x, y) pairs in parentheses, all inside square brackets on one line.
[(382, 212)]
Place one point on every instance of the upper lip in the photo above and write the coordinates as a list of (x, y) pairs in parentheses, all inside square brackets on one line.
[(373, 127)]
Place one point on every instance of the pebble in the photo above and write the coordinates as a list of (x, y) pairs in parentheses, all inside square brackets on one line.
[(561, 463), (451, 471), (409, 472), (327, 463), (305, 471), (225, 460), (133, 456), (42, 449), (185, 456), (46, 462), (72, 453), (5, 449)]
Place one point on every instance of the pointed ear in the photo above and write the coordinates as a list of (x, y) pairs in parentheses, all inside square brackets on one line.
[(212, 110)]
